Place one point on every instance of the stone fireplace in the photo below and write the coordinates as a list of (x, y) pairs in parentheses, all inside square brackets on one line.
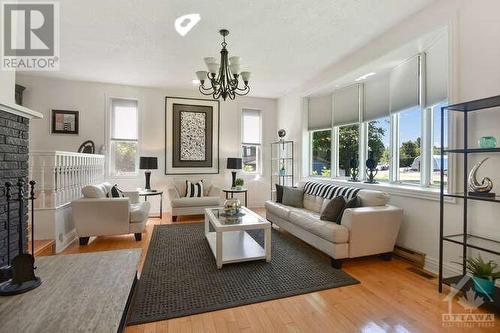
[(14, 134), (13, 166)]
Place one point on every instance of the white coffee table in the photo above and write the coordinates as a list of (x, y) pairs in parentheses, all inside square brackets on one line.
[(230, 242)]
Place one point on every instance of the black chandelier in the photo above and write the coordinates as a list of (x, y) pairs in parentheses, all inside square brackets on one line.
[(224, 77)]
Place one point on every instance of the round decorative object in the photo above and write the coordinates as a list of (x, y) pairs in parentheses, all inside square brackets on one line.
[(281, 133), (232, 206), (487, 142), (88, 147)]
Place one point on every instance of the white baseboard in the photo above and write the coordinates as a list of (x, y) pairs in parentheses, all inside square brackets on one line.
[(69, 238), (432, 265)]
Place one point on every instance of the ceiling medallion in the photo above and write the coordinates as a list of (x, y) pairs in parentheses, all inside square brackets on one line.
[(224, 78)]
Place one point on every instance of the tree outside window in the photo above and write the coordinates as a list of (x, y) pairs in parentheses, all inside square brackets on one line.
[(321, 153)]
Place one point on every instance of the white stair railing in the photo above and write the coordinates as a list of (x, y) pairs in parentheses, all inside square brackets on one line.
[(61, 175)]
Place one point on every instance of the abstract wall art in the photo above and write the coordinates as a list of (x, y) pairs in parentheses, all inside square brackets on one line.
[(191, 136)]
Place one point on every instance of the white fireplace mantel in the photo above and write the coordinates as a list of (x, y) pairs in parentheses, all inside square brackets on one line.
[(20, 110)]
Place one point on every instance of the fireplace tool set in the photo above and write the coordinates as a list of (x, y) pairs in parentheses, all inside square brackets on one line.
[(19, 274)]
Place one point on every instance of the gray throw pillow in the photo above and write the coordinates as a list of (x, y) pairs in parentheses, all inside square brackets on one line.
[(353, 203), (333, 209), (293, 197)]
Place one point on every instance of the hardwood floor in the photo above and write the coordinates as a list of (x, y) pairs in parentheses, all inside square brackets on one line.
[(390, 298)]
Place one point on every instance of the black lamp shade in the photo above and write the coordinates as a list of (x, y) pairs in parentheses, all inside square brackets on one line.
[(234, 163), (148, 163)]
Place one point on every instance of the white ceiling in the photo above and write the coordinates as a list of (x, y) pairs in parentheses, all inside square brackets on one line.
[(282, 42)]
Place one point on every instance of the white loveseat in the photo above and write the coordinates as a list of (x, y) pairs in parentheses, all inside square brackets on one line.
[(182, 205), (97, 215), (367, 230)]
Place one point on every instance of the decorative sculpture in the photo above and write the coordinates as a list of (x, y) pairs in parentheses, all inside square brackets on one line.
[(371, 169), (281, 134), (354, 168), (482, 188)]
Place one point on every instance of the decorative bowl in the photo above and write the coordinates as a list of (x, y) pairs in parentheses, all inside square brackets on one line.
[(487, 142), (232, 206)]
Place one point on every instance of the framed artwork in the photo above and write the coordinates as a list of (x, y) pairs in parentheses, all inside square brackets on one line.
[(65, 122), (191, 136)]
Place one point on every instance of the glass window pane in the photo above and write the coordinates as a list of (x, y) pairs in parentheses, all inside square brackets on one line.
[(321, 153), (250, 155), (348, 147), (378, 146), (436, 147), (251, 127), (123, 157), (125, 122), (410, 129)]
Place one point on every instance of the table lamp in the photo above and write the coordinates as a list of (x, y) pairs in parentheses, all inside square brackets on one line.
[(148, 164), (234, 163)]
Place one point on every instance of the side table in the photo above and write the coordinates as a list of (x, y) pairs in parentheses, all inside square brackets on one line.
[(147, 194)]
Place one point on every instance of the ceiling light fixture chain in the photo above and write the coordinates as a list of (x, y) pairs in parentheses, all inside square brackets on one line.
[(223, 77)]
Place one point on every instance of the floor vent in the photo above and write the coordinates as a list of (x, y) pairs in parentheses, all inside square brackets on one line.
[(414, 257), (422, 273)]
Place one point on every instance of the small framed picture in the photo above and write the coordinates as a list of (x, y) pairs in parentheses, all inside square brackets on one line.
[(65, 122)]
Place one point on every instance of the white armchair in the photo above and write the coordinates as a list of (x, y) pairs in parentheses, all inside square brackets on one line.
[(181, 205), (97, 215)]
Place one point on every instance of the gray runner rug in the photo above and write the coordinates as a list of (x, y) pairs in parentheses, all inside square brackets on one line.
[(180, 278)]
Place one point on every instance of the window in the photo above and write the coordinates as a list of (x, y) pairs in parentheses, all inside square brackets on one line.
[(410, 131), (436, 144), (124, 128), (251, 125), (321, 157), (378, 146), (393, 117), (348, 148)]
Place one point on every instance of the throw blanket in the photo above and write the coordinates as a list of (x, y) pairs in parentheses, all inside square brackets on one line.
[(329, 191)]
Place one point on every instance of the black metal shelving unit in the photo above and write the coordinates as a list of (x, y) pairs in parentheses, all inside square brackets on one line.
[(282, 155), (465, 239)]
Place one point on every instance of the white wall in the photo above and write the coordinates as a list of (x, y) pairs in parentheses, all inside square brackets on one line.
[(7, 86), (44, 94), (475, 73)]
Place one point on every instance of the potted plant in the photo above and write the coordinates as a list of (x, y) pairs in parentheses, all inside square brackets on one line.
[(239, 183), (483, 274)]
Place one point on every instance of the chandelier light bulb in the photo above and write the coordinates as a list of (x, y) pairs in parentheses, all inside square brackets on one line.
[(201, 75), (245, 76)]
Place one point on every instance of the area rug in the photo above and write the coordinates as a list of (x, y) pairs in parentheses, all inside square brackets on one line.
[(180, 277)]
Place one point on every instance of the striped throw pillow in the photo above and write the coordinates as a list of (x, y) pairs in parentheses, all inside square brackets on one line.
[(194, 189)]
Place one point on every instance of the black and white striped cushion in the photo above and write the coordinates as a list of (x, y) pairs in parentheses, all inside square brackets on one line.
[(329, 191), (194, 190)]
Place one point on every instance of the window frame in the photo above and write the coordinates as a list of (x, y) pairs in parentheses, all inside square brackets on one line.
[(110, 140), (259, 168), (332, 145)]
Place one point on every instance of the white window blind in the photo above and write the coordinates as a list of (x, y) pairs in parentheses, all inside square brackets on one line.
[(376, 94), (124, 119), (404, 85), (124, 138), (346, 105), (320, 112), (251, 131), (436, 74)]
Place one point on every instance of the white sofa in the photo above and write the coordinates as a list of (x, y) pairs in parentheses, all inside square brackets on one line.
[(367, 230), (97, 215), (182, 205)]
